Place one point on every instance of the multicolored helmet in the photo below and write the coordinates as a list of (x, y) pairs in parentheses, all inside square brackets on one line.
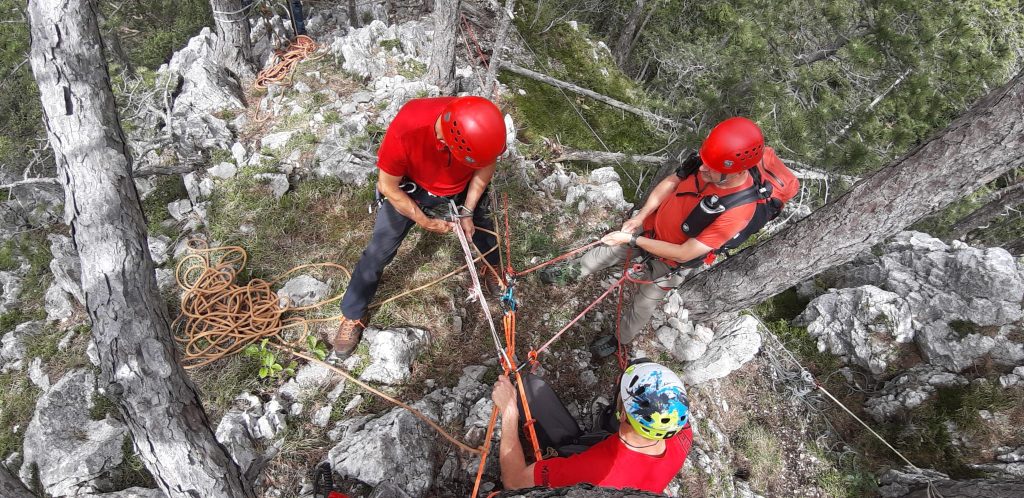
[(654, 399)]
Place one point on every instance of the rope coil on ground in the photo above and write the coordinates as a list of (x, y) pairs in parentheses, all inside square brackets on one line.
[(299, 49)]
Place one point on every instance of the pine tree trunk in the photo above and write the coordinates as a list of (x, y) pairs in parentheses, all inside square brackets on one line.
[(234, 46), (491, 78), (627, 37), (130, 324), (353, 14), (1009, 197), (441, 70), (973, 150)]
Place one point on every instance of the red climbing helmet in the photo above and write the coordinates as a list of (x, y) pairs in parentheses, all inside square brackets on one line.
[(734, 145), (474, 131)]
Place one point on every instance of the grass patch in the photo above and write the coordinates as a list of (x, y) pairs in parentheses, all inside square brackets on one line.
[(17, 404), (390, 44), (844, 477), (963, 328), (10, 320), (222, 381), (131, 472), (412, 69), (764, 453), (169, 188)]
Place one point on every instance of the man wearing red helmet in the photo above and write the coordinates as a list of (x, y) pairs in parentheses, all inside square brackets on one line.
[(436, 150), (660, 228)]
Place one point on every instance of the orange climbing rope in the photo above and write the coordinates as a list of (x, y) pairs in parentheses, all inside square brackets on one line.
[(300, 48)]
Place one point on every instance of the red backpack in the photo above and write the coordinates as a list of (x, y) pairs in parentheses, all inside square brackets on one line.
[(774, 185)]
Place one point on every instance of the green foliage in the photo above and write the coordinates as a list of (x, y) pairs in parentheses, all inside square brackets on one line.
[(269, 366), (316, 347), (847, 477), (963, 328), (390, 44), (151, 31), (18, 398), (20, 110), (169, 188)]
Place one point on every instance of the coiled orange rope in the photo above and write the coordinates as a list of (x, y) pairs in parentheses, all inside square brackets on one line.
[(297, 50)]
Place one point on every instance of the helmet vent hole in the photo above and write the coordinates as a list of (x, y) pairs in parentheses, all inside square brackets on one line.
[(455, 123), (468, 149)]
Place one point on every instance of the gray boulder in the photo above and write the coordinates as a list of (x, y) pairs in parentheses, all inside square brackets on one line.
[(397, 449), (909, 390), (863, 325), (159, 248), (602, 191), (392, 352), (71, 451), (308, 378), (65, 266), (57, 304), (683, 339), (303, 290), (10, 289), (277, 182), (206, 86), (235, 432), (276, 140), (225, 169), (736, 342), (135, 492), (14, 345)]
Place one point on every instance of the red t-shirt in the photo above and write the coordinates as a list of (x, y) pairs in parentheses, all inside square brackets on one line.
[(666, 222), (411, 149), (612, 464)]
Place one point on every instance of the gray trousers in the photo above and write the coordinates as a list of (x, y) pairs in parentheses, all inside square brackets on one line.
[(647, 297)]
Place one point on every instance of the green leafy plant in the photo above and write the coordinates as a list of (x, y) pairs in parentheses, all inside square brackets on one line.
[(269, 366), (318, 348)]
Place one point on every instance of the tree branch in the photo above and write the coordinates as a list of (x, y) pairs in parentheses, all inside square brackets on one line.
[(31, 181)]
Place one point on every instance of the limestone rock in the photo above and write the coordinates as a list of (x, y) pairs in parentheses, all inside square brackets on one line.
[(235, 432), (14, 344), (736, 342), (57, 304), (863, 325), (309, 377), (224, 170), (557, 182), (10, 289), (392, 353), (909, 390), (37, 375), (70, 450), (303, 290), (65, 266), (276, 140), (179, 209), (683, 339), (278, 183), (160, 248)]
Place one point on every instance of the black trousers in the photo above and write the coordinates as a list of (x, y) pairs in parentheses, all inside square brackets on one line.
[(556, 429), (389, 230)]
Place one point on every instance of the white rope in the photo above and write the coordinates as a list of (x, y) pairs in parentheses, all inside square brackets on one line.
[(476, 292), (809, 378)]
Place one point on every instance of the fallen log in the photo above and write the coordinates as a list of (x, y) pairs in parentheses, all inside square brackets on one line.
[(543, 78)]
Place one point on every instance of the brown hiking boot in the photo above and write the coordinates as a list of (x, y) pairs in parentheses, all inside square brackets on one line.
[(350, 332), (491, 282)]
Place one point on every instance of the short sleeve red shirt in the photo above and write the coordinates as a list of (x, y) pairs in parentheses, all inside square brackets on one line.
[(612, 464), (666, 222), (411, 149)]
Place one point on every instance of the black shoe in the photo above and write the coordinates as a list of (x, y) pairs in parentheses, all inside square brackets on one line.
[(560, 275), (604, 346)]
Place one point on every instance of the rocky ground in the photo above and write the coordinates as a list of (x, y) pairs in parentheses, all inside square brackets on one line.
[(922, 338)]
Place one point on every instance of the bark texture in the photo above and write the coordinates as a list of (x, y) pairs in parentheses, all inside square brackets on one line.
[(441, 70), (491, 78), (234, 46), (975, 488), (973, 150), (130, 324), (630, 31), (1009, 197), (543, 78)]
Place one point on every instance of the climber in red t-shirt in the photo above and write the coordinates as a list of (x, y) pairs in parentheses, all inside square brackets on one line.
[(645, 451), (660, 232), (436, 151)]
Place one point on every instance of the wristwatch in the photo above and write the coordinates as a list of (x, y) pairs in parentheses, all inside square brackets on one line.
[(632, 240)]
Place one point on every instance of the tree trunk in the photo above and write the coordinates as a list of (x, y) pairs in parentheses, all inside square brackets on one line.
[(1008, 197), (11, 487), (234, 47), (441, 71), (973, 150), (628, 35), (491, 79), (578, 491), (543, 78), (353, 15), (130, 325)]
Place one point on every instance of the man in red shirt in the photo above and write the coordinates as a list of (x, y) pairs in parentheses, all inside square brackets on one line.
[(646, 450), (436, 150), (660, 228)]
